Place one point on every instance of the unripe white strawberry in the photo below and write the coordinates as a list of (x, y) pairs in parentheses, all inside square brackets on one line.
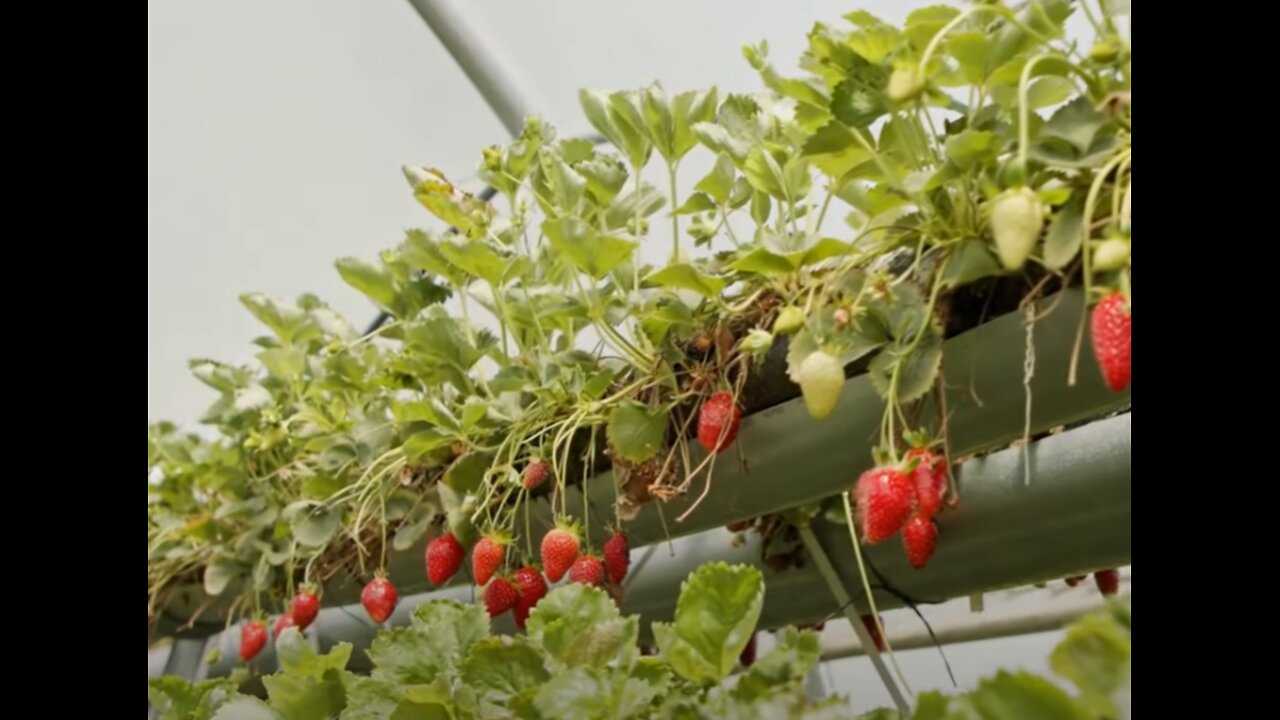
[(821, 378), (1017, 217)]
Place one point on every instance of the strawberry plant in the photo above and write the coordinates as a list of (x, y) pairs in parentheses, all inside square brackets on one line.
[(846, 218), (580, 658)]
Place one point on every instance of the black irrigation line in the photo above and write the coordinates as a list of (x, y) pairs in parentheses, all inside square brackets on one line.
[(486, 195)]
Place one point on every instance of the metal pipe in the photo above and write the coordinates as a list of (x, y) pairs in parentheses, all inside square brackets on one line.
[(1074, 517), (498, 81)]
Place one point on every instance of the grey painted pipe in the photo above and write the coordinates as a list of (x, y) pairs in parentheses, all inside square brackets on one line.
[(1074, 517)]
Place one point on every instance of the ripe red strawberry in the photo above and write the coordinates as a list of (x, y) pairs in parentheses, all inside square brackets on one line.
[(499, 596), (748, 656), (617, 557), (379, 599), (253, 637), (930, 479), (873, 628), (532, 588), (919, 537), (444, 557), (885, 497), (587, 570), (1112, 329), (559, 550), (304, 608), (284, 621), (718, 422), (535, 473), (1074, 580), (1108, 581), (486, 557)]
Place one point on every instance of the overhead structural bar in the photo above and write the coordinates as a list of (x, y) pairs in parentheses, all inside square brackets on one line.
[(483, 60)]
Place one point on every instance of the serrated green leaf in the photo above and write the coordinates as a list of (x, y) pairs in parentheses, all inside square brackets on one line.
[(467, 472), (577, 694), (717, 183), (280, 318), (497, 669), (580, 625), (219, 573), (421, 443), (786, 665), (239, 708), (972, 49), (475, 258), (1096, 656), (624, 209), (1048, 90), (372, 280), (916, 368), (312, 523), (295, 697), (1077, 123), (286, 363), (764, 171), (824, 249), (696, 203), (1066, 234), (176, 698), (923, 23), (605, 177), (715, 617), (688, 277), (970, 260), (433, 648), (1017, 696), (835, 150), (763, 262), (971, 147), (298, 657), (637, 431), (591, 252)]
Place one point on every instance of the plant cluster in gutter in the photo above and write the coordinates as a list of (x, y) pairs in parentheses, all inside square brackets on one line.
[(966, 149), (580, 659)]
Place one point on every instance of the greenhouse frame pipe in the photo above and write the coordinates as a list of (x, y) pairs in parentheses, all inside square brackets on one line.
[(1074, 517), (482, 60), (819, 458)]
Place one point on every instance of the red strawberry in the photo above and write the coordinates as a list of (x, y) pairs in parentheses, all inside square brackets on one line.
[(1108, 581), (304, 608), (486, 557), (1074, 580), (587, 570), (748, 656), (284, 621), (1112, 328), (930, 479), (253, 637), (919, 537), (718, 422), (379, 599), (535, 473), (884, 497), (617, 557), (532, 589), (500, 596), (444, 557), (873, 628), (559, 550)]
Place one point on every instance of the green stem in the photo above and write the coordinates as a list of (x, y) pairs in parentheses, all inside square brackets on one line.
[(826, 203), (675, 219), (1024, 111)]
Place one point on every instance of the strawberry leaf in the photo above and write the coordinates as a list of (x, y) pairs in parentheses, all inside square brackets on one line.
[(636, 431), (915, 368), (498, 668), (715, 618), (1014, 696), (580, 625)]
